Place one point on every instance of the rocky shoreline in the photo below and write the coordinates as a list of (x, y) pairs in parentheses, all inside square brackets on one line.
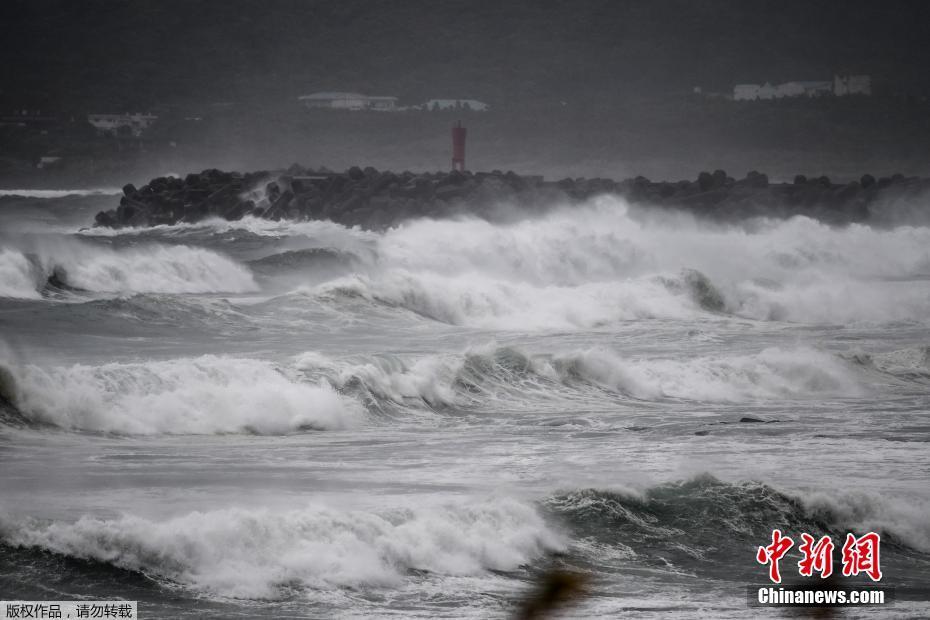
[(376, 199)]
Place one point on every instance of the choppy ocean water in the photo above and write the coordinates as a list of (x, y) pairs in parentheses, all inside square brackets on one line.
[(228, 419)]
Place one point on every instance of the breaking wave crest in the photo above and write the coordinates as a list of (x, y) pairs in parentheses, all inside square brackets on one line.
[(19, 277), (700, 526), (593, 265), (475, 301), (493, 373), (773, 373), (201, 395), (694, 524), (265, 554), (212, 394), (582, 267), (152, 268), (250, 232), (912, 363)]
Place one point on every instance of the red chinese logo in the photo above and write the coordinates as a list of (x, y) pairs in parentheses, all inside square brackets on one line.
[(773, 553), (817, 556), (859, 555)]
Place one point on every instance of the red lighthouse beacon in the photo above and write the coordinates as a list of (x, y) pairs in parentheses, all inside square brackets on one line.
[(458, 147)]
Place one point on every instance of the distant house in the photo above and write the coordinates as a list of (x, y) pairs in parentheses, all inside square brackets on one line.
[(746, 92), (348, 101), (803, 89), (456, 104), (767, 91), (114, 124), (852, 85), (47, 161), (25, 118), (382, 104), (754, 92), (789, 89)]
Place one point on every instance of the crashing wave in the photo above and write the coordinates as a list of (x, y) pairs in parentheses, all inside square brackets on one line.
[(701, 289), (263, 553), (323, 231), (149, 269), (20, 278), (773, 373), (202, 395), (911, 363), (595, 265), (474, 301), (704, 523), (578, 268), (505, 374)]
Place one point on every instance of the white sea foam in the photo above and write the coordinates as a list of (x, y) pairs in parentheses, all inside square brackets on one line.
[(18, 276), (904, 519), (336, 234), (259, 553), (912, 362), (489, 372), (429, 379), (773, 373), (152, 268), (201, 395), (159, 269), (60, 193), (590, 265), (475, 300)]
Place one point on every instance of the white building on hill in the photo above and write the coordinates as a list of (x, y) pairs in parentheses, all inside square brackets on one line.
[(852, 85), (840, 86), (803, 89), (348, 101), (745, 92), (754, 92), (767, 91), (456, 104)]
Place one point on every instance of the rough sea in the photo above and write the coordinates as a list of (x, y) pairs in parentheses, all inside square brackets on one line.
[(263, 419)]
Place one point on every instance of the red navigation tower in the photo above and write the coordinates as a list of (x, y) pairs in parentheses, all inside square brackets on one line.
[(458, 147)]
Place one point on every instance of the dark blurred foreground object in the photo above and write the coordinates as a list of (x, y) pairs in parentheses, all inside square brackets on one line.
[(555, 589), (827, 612)]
